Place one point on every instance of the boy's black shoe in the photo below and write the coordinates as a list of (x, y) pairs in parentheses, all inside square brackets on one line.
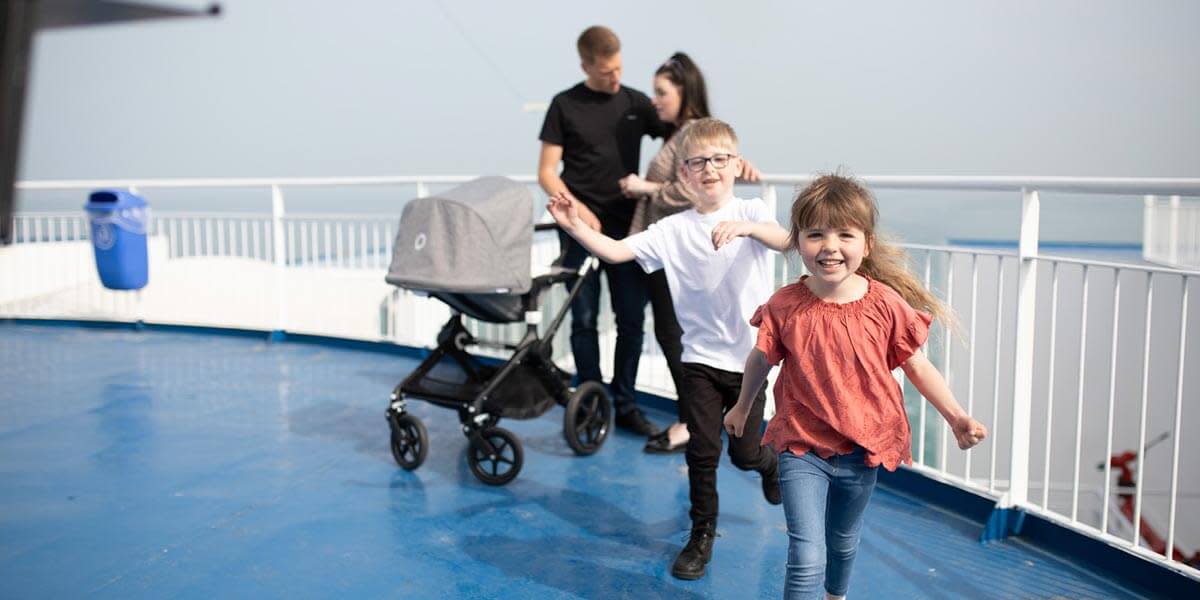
[(770, 485), (635, 422), (695, 555)]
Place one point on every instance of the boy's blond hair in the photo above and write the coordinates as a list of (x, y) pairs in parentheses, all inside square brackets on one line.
[(713, 132), (596, 42)]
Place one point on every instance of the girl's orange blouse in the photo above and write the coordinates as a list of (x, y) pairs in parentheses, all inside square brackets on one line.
[(836, 389)]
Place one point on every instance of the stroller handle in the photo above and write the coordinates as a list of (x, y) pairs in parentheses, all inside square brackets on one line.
[(545, 226)]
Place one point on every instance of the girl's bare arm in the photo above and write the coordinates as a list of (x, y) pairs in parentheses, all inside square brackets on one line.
[(756, 371), (967, 431)]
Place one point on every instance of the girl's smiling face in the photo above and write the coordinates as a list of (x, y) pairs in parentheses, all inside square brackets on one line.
[(833, 254)]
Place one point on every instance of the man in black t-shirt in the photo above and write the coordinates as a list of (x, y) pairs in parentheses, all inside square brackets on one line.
[(595, 129)]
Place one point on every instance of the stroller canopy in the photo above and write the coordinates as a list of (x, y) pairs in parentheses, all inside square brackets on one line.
[(474, 238)]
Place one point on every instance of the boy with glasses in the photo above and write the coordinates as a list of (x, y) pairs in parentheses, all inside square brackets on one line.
[(717, 264), (595, 129)]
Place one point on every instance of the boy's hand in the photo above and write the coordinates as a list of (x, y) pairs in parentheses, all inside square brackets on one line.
[(968, 432), (570, 213), (727, 231), (735, 420), (564, 212)]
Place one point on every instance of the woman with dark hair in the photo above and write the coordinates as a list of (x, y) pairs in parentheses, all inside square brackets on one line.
[(680, 97)]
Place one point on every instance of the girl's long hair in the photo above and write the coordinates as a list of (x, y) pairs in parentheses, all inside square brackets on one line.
[(682, 71), (837, 200)]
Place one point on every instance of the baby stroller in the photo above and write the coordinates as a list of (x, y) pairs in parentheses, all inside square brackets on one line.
[(470, 248)]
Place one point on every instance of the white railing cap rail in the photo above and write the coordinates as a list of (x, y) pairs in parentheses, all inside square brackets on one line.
[(235, 182), (1089, 262), (1182, 186)]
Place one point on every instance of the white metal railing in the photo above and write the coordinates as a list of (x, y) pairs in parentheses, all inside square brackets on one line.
[(1067, 360)]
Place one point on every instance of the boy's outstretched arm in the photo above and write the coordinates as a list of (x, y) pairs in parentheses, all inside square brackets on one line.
[(757, 369), (932, 385), (768, 233), (566, 213)]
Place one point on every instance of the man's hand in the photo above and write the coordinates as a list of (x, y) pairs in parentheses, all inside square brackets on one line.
[(968, 432), (589, 218), (727, 231)]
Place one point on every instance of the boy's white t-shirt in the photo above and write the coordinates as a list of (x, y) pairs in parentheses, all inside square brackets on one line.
[(714, 292)]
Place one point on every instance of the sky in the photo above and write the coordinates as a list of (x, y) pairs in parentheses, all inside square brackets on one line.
[(374, 87)]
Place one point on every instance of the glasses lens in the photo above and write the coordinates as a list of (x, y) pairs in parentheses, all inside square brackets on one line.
[(696, 164), (719, 161)]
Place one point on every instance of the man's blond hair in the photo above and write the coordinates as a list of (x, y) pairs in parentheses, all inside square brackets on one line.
[(597, 42)]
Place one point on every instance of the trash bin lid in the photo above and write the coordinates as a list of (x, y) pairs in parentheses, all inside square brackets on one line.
[(113, 199), (122, 209)]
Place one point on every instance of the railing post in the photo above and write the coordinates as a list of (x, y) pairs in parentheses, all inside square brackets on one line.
[(1173, 233), (771, 199), (279, 252), (422, 189), (1027, 252), (1149, 248), (1006, 518), (139, 313)]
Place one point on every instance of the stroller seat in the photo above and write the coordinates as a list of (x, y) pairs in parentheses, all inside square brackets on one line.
[(504, 308)]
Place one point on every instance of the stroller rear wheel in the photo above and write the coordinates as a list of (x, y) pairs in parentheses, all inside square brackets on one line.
[(496, 456), (585, 423), (410, 441)]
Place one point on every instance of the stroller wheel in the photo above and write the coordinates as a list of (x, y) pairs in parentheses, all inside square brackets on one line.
[(585, 423), (495, 457), (410, 441)]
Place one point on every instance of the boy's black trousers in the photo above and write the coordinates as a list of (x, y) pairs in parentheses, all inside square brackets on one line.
[(707, 394)]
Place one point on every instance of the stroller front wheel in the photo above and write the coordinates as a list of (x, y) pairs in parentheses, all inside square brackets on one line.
[(410, 441), (495, 456), (586, 421)]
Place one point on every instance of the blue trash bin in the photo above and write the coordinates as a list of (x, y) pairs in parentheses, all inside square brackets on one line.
[(118, 224)]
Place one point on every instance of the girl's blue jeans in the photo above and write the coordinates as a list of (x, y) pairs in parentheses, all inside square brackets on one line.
[(823, 501)]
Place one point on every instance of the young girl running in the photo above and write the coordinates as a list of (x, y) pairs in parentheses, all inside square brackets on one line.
[(840, 414)]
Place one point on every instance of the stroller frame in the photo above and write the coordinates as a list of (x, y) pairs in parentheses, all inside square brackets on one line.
[(495, 454)]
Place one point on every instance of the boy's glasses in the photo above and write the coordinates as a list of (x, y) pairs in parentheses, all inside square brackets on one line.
[(696, 163)]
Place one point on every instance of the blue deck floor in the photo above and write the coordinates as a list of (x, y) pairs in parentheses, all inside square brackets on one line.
[(163, 464)]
